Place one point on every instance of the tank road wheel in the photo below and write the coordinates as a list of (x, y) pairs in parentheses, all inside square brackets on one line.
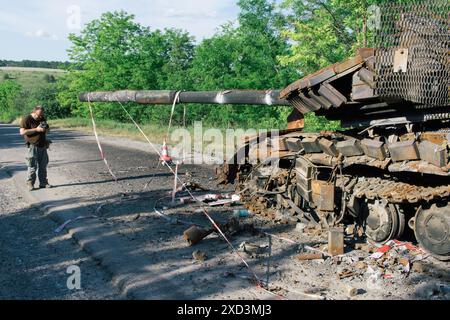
[(432, 229), (382, 223)]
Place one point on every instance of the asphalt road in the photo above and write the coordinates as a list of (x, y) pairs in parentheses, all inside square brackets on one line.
[(124, 249)]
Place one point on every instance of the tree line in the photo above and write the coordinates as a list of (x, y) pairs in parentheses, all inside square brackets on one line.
[(35, 64), (269, 46)]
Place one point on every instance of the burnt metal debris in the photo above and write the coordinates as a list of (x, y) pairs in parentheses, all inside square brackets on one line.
[(389, 171)]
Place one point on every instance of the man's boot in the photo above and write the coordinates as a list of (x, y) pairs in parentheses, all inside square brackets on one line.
[(30, 186), (45, 186)]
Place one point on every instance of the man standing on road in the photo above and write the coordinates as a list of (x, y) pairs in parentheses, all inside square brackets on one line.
[(34, 128)]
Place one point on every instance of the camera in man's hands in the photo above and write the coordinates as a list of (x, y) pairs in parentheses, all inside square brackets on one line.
[(44, 125)]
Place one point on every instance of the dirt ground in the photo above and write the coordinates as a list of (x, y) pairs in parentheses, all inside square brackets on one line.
[(34, 261), (126, 249)]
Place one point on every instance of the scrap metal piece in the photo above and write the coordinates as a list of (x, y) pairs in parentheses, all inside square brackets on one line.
[(433, 153), (336, 241), (195, 234), (278, 143), (294, 144), (403, 150), (349, 148), (310, 256), (323, 195), (311, 145), (319, 99), (374, 149), (304, 175), (367, 76), (328, 147)]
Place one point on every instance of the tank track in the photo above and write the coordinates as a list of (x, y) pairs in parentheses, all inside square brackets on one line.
[(398, 192)]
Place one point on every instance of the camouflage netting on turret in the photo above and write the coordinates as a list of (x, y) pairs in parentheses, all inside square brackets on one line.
[(416, 37)]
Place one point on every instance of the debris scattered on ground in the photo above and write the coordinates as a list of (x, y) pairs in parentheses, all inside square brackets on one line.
[(350, 230), (199, 255), (361, 265), (241, 213), (346, 273), (251, 248), (419, 267), (192, 186), (195, 234), (350, 291), (212, 199), (310, 256), (300, 227)]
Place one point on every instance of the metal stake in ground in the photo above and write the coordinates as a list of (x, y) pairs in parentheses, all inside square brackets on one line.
[(268, 262), (175, 180)]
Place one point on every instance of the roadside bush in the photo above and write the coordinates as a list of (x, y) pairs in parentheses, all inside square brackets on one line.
[(45, 95), (9, 92)]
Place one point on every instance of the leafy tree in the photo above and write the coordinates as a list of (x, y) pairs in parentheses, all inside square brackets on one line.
[(323, 32), (115, 52), (9, 91), (244, 57), (45, 95)]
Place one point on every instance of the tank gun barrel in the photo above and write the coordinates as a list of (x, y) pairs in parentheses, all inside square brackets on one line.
[(249, 97)]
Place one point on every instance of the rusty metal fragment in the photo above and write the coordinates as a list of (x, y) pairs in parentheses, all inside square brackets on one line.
[(373, 149), (294, 144), (310, 256), (336, 241), (403, 150), (328, 147), (349, 148), (433, 153), (323, 195), (195, 234), (311, 145)]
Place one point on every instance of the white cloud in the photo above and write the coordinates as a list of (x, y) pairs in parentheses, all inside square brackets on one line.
[(41, 33)]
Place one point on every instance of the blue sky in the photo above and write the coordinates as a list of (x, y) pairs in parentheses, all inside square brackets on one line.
[(38, 29)]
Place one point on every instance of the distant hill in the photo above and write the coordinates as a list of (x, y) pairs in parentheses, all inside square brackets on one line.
[(35, 64), (30, 78)]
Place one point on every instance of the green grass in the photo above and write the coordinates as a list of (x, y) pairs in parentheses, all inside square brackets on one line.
[(111, 128), (31, 78)]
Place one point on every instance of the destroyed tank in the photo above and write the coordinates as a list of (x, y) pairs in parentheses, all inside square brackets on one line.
[(389, 170)]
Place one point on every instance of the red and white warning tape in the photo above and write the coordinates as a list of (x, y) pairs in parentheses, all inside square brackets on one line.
[(102, 154)]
